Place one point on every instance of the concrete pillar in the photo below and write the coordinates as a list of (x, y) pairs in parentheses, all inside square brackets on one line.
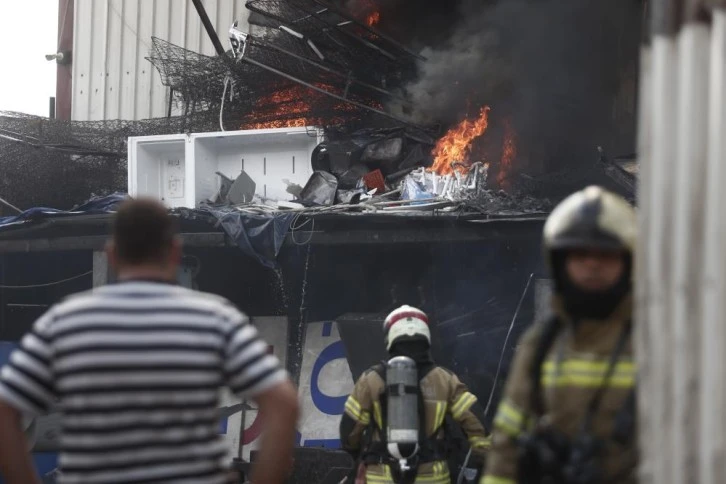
[(542, 298), (185, 276), (101, 273)]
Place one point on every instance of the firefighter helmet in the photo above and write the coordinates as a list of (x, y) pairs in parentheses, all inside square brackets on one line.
[(593, 218), (406, 321)]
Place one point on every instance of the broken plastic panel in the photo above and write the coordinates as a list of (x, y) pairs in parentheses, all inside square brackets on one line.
[(320, 189), (242, 190)]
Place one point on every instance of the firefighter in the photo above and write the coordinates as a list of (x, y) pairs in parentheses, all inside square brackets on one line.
[(396, 419), (567, 414)]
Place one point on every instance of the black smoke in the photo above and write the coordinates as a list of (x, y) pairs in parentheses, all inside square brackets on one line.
[(562, 72)]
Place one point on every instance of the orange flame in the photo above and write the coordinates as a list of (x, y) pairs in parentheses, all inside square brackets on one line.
[(509, 152), (373, 18), (455, 146), (293, 107)]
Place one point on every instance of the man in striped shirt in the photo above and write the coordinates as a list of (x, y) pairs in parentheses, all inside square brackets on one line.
[(136, 368)]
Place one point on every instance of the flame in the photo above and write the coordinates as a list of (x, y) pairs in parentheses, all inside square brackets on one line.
[(292, 107), (373, 18), (455, 146), (278, 123), (509, 152)]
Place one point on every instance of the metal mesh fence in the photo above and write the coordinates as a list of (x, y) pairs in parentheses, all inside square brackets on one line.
[(58, 164)]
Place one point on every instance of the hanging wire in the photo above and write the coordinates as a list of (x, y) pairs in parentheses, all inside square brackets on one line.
[(8, 204), (504, 347), (460, 478), (295, 227), (48, 284)]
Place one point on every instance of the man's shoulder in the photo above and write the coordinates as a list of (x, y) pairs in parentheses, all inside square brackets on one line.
[(375, 373)]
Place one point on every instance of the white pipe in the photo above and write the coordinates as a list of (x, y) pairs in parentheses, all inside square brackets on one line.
[(665, 89), (713, 331), (292, 32), (642, 338), (687, 235)]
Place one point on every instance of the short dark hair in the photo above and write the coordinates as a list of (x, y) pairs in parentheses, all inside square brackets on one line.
[(143, 231)]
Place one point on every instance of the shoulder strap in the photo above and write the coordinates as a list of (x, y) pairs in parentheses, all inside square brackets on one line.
[(380, 370), (550, 330), (614, 357), (624, 428)]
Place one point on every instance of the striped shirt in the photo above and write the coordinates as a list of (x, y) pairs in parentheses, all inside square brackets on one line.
[(135, 369)]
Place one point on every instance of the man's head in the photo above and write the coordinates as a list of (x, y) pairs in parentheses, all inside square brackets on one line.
[(145, 241), (589, 241)]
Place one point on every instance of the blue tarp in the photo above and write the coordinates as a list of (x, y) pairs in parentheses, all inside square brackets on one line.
[(259, 236), (95, 205)]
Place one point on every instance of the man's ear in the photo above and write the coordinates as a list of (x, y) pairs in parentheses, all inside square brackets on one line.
[(111, 255), (177, 251)]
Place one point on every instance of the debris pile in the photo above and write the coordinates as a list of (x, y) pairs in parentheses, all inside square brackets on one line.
[(384, 171)]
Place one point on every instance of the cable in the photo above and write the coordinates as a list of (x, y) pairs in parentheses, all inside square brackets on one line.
[(5, 202), (126, 24), (294, 227), (48, 284), (504, 347), (459, 480), (221, 108)]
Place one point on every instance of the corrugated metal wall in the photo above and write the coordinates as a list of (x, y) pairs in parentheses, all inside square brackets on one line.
[(111, 77), (681, 266)]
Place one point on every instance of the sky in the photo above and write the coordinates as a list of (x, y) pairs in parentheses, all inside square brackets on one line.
[(28, 31)]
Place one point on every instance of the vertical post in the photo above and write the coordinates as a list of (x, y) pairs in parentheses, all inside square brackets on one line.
[(100, 269), (542, 298), (185, 277), (681, 266), (64, 71), (712, 452), (655, 330), (51, 108), (687, 232)]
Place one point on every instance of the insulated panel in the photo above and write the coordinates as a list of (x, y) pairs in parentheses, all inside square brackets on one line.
[(111, 38)]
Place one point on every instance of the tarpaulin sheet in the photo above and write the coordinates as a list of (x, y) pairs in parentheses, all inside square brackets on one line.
[(96, 205), (259, 236)]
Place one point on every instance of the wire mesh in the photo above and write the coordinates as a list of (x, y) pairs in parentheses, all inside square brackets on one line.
[(256, 96), (59, 164)]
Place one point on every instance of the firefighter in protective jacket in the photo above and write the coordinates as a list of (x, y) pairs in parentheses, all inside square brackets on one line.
[(567, 414), (365, 427)]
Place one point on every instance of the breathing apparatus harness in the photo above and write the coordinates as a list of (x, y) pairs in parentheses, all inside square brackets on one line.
[(548, 456), (427, 448)]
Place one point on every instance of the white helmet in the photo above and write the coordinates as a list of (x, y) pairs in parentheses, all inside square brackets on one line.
[(405, 321)]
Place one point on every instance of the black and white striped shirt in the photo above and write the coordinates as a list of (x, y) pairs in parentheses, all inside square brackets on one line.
[(135, 369)]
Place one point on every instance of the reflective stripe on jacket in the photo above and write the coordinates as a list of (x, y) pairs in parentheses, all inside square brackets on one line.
[(573, 370)]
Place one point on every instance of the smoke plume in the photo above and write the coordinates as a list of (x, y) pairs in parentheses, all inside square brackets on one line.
[(554, 68)]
